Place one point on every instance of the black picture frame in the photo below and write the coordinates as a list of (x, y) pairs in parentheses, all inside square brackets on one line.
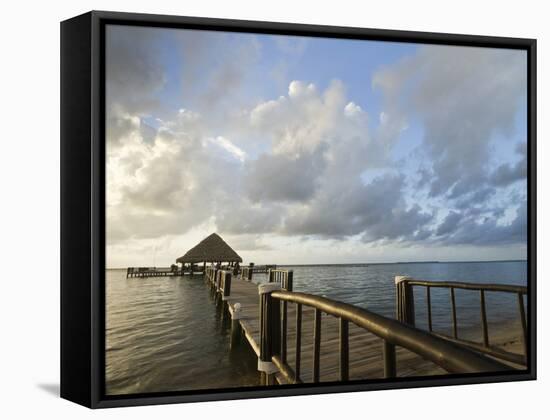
[(83, 205)]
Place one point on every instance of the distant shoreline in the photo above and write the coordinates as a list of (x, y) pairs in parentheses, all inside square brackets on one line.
[(368, 263)]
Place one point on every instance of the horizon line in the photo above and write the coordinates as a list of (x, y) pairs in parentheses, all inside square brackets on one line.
[(364, 263)]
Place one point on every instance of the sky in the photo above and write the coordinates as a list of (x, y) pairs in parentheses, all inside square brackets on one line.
[(302, 150)]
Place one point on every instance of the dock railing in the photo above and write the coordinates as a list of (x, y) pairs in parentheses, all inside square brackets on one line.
[(210, 275), (262, 269), (224, 283), (406, 311), (450, 356), (246, 273), (150, 272), (283, 277), (220, 280)]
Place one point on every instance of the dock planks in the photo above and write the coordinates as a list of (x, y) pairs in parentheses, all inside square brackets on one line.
[(365, 349)]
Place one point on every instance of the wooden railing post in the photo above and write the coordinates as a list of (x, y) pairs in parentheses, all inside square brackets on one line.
[(317, 345), (523, 321), (298, 349), (218, 280), (453, 313), (484, 329), (404, 300), (226, 283), (390, 368), (270, 330), (236, 330), (246, 273), (289, 281), (429, 307), (344, 350)]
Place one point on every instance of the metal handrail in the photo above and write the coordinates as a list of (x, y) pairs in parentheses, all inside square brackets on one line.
[(492, 287), (406, 311), (452, 357)]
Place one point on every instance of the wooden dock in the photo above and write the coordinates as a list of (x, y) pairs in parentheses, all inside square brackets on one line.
[(145, 272), (303, 338), (365, 349)]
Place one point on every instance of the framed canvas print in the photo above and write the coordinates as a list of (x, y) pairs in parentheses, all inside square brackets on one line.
[(255, 209)]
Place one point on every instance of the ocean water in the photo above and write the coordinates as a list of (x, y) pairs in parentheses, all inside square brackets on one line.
[(372, 287), (168, 334)]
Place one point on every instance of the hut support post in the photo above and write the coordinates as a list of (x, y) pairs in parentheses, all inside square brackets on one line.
[(270, 331), (404, 300)]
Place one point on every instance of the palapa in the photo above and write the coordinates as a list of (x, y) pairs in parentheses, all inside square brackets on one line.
[(211, 249)]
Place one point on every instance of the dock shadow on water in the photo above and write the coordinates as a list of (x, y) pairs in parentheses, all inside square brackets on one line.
[(171, 334)]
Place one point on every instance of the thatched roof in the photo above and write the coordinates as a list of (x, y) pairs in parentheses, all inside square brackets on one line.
[(211, 249)]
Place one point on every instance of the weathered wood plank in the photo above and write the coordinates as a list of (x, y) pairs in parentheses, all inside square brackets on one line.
[(365, 350)]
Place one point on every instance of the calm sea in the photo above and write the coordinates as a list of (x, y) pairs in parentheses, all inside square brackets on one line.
[(167, 334)]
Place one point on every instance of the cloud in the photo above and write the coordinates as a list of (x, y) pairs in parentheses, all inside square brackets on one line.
[(212, 69), (134, 72), (302, 120), (462, 96), (489, 231), (377, 211), (229, 147), (249, 243), (507, 173), (164, 187), (310, 161), (449, 224), (231, 68), (320, 146), (309, 182), (284, 178), (291, 45)]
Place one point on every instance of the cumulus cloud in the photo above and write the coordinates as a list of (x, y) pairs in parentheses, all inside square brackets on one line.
[(293, 164), (164, 187), (229, 147), (376, 210), (308, 183), (281, 177), (320, 146)]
